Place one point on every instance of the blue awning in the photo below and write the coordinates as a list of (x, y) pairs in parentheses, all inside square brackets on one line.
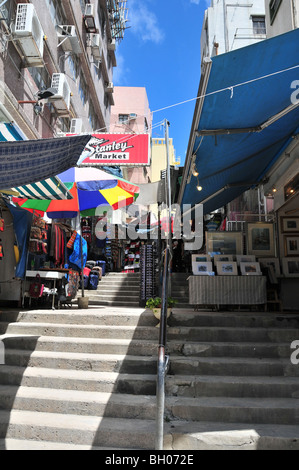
[(24, 162), (247, 119)]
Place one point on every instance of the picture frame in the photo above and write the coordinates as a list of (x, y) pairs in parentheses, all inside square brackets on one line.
[(291, 245), (224, 243), (290, 224), (250, 269), (246, 259), (260, 239), (223, 258), (226, 268), (274, 262), (201, 258), (290, 267), (203, 268)]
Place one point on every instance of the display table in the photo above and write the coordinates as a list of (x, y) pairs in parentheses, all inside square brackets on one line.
[(48, 276), (227, 290)]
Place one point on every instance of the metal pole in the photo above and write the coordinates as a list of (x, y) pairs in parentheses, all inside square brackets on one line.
[(162, 359)]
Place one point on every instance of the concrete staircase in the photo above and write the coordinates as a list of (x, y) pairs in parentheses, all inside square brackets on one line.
[(180, 289), (117, 289), (86, 379)]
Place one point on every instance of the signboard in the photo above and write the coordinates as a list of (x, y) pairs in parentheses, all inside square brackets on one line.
[(117, 150)]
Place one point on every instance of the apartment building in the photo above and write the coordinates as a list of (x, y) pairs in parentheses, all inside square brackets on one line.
[(229, 25), (281, 16), (56, 64)]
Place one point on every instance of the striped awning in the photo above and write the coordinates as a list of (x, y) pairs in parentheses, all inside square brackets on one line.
[(49, 189)]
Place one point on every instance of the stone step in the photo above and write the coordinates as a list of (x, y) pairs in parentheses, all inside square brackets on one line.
[(147, 365), (87, 362), (121, 297), (93, 316), (81, 331), (85, 380), (145, 348), (77, 402), (100, 432), (111, 287), (145, 384), (206, 334), (25, 445), (93, 300), (234, 319), (78, 430), (123, 406)]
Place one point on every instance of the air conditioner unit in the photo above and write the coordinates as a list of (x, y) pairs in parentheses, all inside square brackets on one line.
[(76, 126), (29, 32), (96, 45), (89, 18), (133, 116), (62, 99), (109, 87), (112, 45), (68, 38)]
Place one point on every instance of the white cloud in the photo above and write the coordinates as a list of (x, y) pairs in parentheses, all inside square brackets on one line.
[(144, 22)]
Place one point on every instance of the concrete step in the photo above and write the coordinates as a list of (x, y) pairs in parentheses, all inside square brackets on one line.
[(77, 402), (205, 334), (85, 380), (73, 430), (123, 406), (81, 331), (93, 316), (25, 445), (78, 430), (145, 348), (145, 384), (93, 300), (108, 296), (76, 361)]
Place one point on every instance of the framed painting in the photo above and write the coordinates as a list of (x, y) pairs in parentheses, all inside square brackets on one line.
[(245, 259), (290, 267), (260, 239), (291, 245), (289, 224), (227, 268), (274, 262), (201, 258), (203, 269), (224, 243), (250, 269), (223, 258)]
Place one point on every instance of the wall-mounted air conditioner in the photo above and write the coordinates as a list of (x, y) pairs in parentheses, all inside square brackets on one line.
[(30, 35), (62, 99), (76, 126), (133, 116), (89, 18), (112, 45), (95, 43), (109, 87), (68, 38)]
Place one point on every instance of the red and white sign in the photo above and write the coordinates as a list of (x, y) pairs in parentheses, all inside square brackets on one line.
[(117, 150)]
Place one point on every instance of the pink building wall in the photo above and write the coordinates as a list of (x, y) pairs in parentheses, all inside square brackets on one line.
[(132, 100)]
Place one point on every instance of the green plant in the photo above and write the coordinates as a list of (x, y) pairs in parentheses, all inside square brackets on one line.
[(156, 302)]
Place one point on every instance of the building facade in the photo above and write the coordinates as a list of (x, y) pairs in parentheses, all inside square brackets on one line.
[(229, 25), (131, 115), (66, 47), (281, 16)]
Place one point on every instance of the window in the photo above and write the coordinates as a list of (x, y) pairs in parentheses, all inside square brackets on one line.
[(82, 4), (259, 24), (56, 12), (123, 118), (41, 77), (83, 89), (274, 7)]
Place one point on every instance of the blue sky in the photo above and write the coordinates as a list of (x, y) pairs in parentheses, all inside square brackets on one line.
[(161, 52)]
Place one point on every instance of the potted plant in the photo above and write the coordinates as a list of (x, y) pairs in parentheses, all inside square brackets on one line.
[(155, 304)]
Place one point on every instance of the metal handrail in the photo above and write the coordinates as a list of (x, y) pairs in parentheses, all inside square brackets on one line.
[(162, 357)]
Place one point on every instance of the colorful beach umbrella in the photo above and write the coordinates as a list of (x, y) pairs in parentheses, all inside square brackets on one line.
[(91, 188)]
